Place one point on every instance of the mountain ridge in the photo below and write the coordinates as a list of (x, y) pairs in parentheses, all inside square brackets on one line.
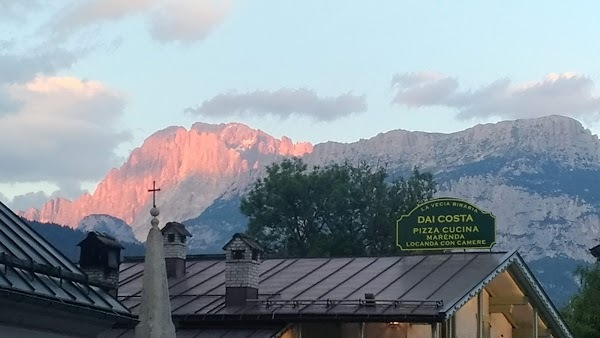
[(210, 164)]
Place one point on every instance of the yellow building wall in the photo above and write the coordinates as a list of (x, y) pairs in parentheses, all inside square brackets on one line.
[(419, 331), (466, 318), (501, 328)]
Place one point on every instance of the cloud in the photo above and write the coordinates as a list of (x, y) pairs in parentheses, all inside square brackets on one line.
[(19, 68), (14, 9), (84, 13), (556, 94), (168, 20), (186, 20), (282, 103), (67, 189), (63, 130), (29, 200), (4, 199)]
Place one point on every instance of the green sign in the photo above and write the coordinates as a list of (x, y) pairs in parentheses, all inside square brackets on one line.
[(446, 223)]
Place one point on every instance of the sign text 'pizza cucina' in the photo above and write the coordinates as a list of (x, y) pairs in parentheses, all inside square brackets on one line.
[(446, 223)]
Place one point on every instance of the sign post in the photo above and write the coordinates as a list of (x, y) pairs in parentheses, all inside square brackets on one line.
[(444, 224)]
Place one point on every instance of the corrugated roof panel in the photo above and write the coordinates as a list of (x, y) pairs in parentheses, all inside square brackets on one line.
[(334, 281), (129, 271), (304, 282), (30, 243), (198, 303), (20, 281), (439, 276), (33, 267), (292, 273), (203, 282), (405, 278), (354, 283), (413, 276), (470, 275)]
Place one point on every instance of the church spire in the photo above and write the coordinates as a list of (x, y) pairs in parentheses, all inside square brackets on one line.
[(155, 308)]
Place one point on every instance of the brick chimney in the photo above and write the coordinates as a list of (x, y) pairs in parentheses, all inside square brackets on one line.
[(100, 258), (174, 241), (242, 262)]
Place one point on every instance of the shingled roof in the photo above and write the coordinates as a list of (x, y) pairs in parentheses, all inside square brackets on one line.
[(33, 271)]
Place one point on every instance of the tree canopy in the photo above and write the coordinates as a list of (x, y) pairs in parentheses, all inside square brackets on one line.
[(335, 210), (583, 311)]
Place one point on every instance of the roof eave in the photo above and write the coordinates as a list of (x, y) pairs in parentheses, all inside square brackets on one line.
[(70, 306), (275, 317), (514, 263), (538, 296)]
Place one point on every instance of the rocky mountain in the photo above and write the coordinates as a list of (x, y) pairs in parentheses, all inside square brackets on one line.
[(108, 224), (193, 168), (538, 176)]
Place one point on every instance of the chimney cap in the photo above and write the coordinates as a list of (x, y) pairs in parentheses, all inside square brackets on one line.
[(178, 227), (251, 242), (103, 238)]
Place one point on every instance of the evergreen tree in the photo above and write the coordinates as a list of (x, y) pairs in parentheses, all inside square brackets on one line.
[(583, 311)]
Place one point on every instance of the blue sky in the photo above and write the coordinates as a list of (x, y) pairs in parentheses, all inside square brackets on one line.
[(82, 83)]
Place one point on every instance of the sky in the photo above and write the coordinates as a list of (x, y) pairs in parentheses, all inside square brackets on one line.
[(84, 82)]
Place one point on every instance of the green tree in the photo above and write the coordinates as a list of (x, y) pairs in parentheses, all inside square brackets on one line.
[(335, 210), (583, 311)]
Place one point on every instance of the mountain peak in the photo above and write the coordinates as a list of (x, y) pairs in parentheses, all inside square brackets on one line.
[(210, 156)]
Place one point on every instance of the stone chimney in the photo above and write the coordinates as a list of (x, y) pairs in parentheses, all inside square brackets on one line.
[(242, 262), (100, 259), (174, 241)]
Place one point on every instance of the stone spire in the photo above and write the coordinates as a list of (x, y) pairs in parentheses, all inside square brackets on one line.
[(155, 308)]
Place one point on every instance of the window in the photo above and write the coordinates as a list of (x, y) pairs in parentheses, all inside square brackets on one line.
[(182, 238), (171, 238), (254, 255), (113, 261), (237, 254)]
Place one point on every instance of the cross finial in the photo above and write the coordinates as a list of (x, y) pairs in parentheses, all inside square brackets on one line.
[(153, 191)]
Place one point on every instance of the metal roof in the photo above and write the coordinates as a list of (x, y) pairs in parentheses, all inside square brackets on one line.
[(415, 286), (410, 288), (32, 268), (243, 332)]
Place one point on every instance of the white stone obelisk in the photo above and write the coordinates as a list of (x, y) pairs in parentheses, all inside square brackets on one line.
[(155, 308)]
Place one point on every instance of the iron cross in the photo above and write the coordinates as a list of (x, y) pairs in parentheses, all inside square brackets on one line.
[(153, 191)]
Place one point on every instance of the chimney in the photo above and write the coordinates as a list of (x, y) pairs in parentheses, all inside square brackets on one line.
[(100, 258), (174, 241), (242, 263)]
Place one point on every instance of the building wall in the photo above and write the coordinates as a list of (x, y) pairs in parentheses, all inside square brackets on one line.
[(466, 318), (370, 330), (419, 331), (384, 330), (501, 328), (324, 330)]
